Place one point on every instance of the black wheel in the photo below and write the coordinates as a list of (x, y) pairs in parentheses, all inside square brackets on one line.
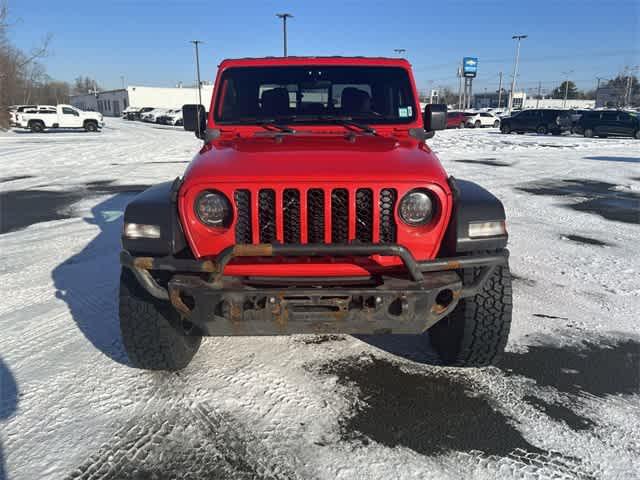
[(496, 124), (91, 126), (152, 331), (588, 133), (505, 128), (476, 332), (478, 124), (36, 126), (542, 130)]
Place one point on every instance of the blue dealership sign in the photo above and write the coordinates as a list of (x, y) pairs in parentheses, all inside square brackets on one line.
[(469, 66)]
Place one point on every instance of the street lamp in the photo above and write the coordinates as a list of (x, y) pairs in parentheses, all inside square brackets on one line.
[(566, 87), (515, 68), (284, 17)]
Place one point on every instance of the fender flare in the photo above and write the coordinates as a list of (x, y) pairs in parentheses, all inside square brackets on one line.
[(471, 203), (156, 206)]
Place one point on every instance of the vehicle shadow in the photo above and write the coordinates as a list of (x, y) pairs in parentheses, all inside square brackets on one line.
[(416, 348), (8, 404), (89, 280)]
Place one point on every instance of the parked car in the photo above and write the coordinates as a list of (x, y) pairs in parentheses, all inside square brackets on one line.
[(61, 116), (225, 250), (130, 113), (609, 122), (538, 120), (481, 119), (171, 117), (141, 112), (455, 120), (152, 115)]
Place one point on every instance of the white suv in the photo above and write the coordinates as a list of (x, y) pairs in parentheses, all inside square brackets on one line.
[(481, 119)]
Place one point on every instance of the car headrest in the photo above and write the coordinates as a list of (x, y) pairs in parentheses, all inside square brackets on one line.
[(354, 100), (275, 101)]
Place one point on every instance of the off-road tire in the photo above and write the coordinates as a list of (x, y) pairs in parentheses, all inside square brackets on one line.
[(542, 130), (476, 332), (90, 126), (505, 128), (151, 329), (588, 133), (36, 126)]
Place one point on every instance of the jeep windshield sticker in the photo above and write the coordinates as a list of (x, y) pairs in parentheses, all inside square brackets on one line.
[(403, 112), (410, 111)]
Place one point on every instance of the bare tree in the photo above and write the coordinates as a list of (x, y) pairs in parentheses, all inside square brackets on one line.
[(20, 72)]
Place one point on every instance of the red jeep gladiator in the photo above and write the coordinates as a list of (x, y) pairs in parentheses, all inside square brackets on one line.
[(314, 206)]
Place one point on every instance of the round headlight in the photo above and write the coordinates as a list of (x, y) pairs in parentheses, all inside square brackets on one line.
[(416, 208), (213, 209)]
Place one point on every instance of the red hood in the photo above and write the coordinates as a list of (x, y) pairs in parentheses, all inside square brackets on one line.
[(317, 157)]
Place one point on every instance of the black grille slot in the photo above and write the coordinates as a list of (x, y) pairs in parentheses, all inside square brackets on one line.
[(315, 215), (388, 229), (339, 216), (364, 215), (291, 215), (243, 222), (267, 216)]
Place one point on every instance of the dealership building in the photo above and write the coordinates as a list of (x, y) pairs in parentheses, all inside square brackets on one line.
[(111, 103), (522, 101)]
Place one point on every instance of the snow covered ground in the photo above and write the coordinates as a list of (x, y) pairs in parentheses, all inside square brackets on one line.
[(563, 404)]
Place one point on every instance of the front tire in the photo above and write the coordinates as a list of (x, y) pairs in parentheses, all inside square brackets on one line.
[(505, 128), (152, 331), (542, 130), (91, 126), (588, 133), (476, 332)]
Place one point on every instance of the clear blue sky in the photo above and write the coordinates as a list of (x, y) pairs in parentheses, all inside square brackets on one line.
[(147, 41)]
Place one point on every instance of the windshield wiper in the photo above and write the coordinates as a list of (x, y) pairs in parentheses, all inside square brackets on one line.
[(347, 122), (271, 124), (350, 123)]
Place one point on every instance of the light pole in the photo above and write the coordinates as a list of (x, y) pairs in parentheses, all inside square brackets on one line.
[(500, 92), (284, 17), (566, 87), (519, 38), (122, 80)]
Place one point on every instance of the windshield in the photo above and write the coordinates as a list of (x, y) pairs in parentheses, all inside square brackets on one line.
[(315, 95)]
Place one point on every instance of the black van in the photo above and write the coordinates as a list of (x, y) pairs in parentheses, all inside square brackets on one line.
[(609, 122), (540, 120)]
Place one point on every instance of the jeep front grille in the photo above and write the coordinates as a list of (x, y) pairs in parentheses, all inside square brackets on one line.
[(315, 216)]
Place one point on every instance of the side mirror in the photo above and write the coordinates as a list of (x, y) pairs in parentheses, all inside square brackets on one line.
[(435, 117), (194, 119)]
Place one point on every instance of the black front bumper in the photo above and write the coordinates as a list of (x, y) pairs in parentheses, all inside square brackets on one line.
[(408, 302)]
